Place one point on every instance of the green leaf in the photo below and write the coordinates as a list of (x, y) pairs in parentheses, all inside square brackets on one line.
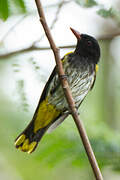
[(86, 3), (21, 5), (106, 13), (4, 9)]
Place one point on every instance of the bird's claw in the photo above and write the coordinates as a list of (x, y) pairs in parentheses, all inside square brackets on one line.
[(63, 76)]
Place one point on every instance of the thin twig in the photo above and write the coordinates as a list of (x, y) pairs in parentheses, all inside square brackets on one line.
[(13, 27), (33, 47), (68, 94), (108, 36), (59, 6), (29, 49)]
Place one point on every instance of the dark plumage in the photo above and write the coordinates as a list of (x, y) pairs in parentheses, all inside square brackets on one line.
[(89, 48), (80, 68)]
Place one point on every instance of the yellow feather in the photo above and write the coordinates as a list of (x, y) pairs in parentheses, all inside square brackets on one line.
[(32, 146), (64, 58), (46, 114), (68, 53), (25, 145), (20, 140), (96, 68), (20, 148)]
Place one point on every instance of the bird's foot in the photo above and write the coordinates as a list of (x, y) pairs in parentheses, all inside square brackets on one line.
[(63, 76)]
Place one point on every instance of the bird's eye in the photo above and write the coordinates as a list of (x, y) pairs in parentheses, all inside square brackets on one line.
[(89, 43)]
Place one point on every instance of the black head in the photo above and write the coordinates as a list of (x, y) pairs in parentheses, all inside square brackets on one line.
[(87, 46)]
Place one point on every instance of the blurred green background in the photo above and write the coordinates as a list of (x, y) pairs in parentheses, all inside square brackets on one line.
[(25, 65)]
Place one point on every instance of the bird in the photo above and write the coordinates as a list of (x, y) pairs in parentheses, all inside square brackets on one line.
[(80, 67)]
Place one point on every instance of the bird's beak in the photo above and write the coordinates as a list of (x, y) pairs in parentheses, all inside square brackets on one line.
[(76, 33)]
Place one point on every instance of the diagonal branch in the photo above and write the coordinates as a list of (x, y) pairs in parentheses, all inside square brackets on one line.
[(13, 27), (68, 94), (59, 7), (33, 47)]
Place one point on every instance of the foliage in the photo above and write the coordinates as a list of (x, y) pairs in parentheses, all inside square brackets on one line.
[(6, 8), (10, 7), (56, 151), (110, 13), (20, 88), (20, 4), (86, 3), (106, 13)]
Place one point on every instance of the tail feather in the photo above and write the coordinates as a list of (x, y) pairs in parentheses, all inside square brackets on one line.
[(55, 124), (27, 141)]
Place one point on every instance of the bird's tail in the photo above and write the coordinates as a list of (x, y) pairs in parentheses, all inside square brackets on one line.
[(27, 141), (44, 116)]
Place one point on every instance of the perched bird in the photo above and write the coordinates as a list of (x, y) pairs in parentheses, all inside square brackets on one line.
[(80, 68)]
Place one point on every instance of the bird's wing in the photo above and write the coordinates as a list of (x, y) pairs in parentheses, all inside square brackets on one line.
[(96, 70), (45, 90), (54, 125), (45, 115), (53, 77)]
